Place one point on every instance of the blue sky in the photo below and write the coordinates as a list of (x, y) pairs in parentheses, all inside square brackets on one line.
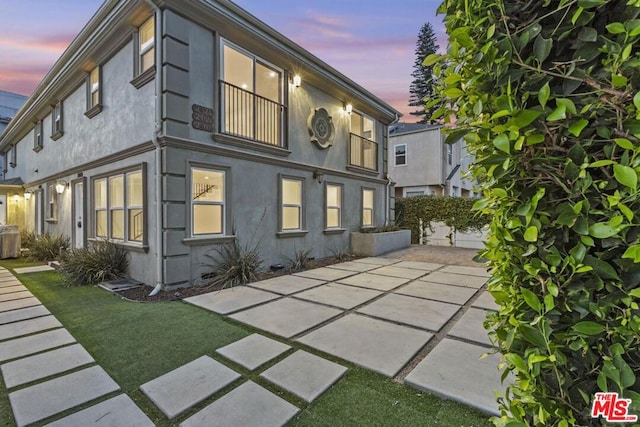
[(370, 41)]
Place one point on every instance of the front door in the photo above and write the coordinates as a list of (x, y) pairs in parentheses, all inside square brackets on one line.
[(3, 209), (38, 212), (78, 215)]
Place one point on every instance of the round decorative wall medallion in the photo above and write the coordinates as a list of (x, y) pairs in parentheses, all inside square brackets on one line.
[(321, 129)]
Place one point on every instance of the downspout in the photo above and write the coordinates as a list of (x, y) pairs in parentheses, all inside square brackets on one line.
[(158, 152), (387, 201)]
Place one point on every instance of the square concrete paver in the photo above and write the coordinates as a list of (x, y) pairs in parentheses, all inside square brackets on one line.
[(486, 301), (470, 327), (18, 303), (304, 374), (54, 396), (23, 314), (412, 311), (286, 317), (454, 370), (438, 292), (378, 260), (117, 411), (338, 295), (8, 282), (180, 389), (35, 269), (418, 265), (249, 405), (380, 346), (26, 327), (287, 284), (374, 281), (42, 365), (34, 343), (325, 273), (471, 271), (355, 266), (253, 351), (455, 279), (232, 299), (11, 289), (15, 295), (393, 271)]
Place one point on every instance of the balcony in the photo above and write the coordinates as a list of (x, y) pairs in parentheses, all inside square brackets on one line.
[(363, 153), (249, 116)]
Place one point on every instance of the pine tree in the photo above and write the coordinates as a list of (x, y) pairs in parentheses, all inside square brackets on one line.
[(423, 79)]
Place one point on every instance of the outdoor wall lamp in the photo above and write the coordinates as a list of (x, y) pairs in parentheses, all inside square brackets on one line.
[(60, 186), (348, 108), (27, 195), (16, 197), (318, 176), (297, 80)]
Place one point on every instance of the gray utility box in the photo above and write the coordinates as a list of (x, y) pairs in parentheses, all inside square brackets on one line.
[(9, 241)]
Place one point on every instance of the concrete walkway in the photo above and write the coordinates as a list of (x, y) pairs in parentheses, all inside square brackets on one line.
[(415, 321)]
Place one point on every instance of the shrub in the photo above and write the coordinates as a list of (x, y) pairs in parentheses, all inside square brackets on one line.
[(302, 260), (547, 96), (231, 264), (100, 262), (27, 239), (342, 255), (456, 212), (47, 247)]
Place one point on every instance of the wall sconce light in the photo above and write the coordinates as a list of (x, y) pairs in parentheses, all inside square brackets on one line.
[(60, 186), (27, 195), (16, 197), (348, 108), (318, 176), (297, 80)]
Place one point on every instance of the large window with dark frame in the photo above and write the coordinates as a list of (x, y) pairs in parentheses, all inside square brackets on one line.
[(363, 150), (146, 45), (94, 92), (251, 92), (334, 206), (118, 203), (291, 192), (207, 202), (368, 196)]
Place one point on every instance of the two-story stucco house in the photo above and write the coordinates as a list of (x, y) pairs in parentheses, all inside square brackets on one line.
[(420, 163), (173, 126)]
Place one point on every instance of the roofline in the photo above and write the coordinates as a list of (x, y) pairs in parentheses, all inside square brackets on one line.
[(431, 127)]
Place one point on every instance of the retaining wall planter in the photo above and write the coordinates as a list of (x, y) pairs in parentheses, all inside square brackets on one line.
[(374, 244)]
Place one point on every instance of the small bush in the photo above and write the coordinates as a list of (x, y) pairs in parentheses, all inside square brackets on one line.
[(342, 255), (27, 239), (301, 260), (232, 265), (101, 262), (48, 247)]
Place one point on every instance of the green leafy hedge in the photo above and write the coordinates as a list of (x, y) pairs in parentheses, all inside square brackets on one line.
[(456, 212), (547, 98)]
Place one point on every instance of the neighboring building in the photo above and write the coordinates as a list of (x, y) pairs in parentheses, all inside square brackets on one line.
[(172, 127), (420, 163), (10, 103)]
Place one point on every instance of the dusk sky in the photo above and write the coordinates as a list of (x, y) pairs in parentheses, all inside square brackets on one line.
[(370, 41)]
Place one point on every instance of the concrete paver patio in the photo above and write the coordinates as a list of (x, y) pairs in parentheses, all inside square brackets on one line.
[(338, 295), (253, 351), (117, 411)]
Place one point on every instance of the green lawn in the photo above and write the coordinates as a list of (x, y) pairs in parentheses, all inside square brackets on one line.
[(136, 342)]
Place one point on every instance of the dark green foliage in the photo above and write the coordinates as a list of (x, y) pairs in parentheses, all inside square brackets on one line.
[(547, 94), (301, 260), (232, 265), (47, 247), (421, 88), (456, 212), (27, 239), (342, 255), (102, 261)]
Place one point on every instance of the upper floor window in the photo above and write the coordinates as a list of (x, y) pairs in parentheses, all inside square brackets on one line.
[(207, 201), (449, 154), (56, 121), (147, 45), (363, 150), (251, 97), (37, 137), (14, 156), (400, 152), (94, 92)]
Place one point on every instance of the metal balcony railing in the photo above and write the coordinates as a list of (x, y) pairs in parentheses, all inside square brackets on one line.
[(247, 115), (363, 152)]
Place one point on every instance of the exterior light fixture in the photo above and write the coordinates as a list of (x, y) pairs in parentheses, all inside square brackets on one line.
[(318, 176), (27, 195), (16, 197), (60, 186), (348, 108), (297, 80)]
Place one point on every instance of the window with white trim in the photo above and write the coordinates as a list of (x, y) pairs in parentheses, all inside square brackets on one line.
[(334, 206), (119, 204), (37, 137), (146, 45), (56, 121), (207, 201), (94, 92), (291, 204), (368, 196), (449, 154), (400, 154)]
